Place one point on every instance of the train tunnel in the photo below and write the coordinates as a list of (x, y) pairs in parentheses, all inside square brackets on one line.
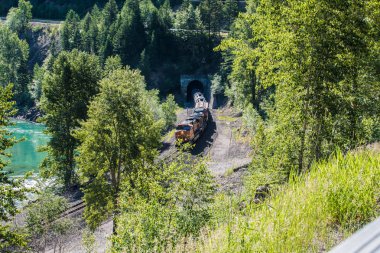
[(195, 84)]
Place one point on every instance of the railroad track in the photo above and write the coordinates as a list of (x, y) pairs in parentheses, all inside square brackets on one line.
[(78, 206), (75, 208)]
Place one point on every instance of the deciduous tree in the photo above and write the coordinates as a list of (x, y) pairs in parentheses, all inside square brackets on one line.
[(11, 189), (119, 142), (18, 18), (14, 54), (67, 91)]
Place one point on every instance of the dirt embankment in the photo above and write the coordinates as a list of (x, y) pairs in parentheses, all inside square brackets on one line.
[(228, 156)]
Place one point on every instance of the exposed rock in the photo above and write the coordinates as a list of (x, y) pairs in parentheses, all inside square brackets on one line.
[(32, 114), (261, 193)]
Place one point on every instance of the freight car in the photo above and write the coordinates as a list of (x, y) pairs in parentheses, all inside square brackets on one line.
[(192, 128)]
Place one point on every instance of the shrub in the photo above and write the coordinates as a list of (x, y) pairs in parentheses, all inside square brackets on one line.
[(309, 214)]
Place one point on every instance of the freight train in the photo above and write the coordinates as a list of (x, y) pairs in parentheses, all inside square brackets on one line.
[(192, 128)]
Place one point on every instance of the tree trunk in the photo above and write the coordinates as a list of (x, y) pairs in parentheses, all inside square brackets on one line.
[(303, 132)]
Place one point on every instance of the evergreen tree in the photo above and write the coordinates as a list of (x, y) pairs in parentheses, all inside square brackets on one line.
[(212, 15), (67, 90), (188, 18), (35, 87), (230, 11), (119, 143), (166, 14), (12, 189), (13, 55), (95, 30), (86, 40), (70, 33), (240, 60), (107, 29), (110, 13), (130, 39)]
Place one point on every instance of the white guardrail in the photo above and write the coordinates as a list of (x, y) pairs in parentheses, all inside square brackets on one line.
[(366, 240)]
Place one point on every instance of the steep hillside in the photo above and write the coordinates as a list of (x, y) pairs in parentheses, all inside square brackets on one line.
[(311, 213)]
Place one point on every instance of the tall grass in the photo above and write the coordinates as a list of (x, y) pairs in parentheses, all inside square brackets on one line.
[(311, 213)]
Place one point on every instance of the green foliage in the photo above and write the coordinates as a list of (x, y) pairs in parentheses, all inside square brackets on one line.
[(18, 18), (172, 203), (169, 109), (35, 87), (44, 223), (212, 14), (67, 90), (188, 18), (238, 49), (11, 189), (325, 85), (313, 212), (14, 54), (89, 241), (112, 63), (119, 142), (217, 85), (70, 32), (55, 9), (129, 39)]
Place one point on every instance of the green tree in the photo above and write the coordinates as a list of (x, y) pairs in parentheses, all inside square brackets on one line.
[(86, 39), (173, 203), (192, 43), (11, 189), (326, 85), (112, 63), (119, 142), (67, 90), (14, 55), (70, 32), (18, 18), (188, 18), (35, 87), (107, 29), (169, 109), (93, 31), (230, 11), (212, 15), (44, 222), (110, 13), (130, 38), (241, 59)]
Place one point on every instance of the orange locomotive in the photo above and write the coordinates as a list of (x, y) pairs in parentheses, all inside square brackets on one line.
[(191, 129)]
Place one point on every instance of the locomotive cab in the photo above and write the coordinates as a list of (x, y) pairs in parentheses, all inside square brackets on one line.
[(184, 131)]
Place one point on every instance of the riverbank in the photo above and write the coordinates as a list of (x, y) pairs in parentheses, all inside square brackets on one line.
[(32, 114)]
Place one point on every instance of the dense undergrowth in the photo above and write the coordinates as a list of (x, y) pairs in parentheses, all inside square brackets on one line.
[(311, 213)]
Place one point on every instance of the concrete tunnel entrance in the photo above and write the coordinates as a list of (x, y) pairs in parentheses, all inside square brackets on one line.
[(193, 85), (190, 82)]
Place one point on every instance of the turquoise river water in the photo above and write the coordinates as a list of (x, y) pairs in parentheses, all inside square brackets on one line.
[(25, 155)]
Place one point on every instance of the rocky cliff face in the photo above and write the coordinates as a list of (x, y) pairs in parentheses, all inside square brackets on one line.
[(42, 39)]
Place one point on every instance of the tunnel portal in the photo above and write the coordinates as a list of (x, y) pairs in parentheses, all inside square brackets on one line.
[(193, 85), (192, 82)]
